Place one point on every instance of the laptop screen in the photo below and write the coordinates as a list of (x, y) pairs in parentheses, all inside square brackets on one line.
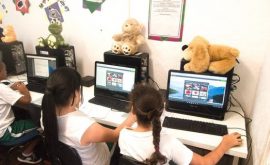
[(40, 66), (114, 80), (202, 94)]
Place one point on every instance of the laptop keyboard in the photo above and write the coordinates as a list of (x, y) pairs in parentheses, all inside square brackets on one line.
[(195, 126), (111, 103), (36, 88)]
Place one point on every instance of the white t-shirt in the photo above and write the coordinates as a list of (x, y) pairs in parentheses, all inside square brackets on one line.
[(139, 145), (8, 97), (71, 128)]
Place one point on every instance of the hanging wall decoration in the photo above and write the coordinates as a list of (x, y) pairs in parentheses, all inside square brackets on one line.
[(63, 5), (3, 6), (54, 13), (22, 6), (92, 5), (42, 4)]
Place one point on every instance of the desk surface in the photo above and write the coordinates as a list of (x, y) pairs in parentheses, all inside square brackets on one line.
[(234, 122)]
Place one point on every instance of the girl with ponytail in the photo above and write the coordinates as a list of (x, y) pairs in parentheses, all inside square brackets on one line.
[(63, 121), (147, 142)]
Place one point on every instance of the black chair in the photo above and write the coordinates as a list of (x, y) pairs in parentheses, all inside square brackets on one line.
[(118, 159), (126, 160), (67, 155)]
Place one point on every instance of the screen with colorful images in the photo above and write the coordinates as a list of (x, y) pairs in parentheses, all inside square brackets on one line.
[(197, 89), (115, 78)]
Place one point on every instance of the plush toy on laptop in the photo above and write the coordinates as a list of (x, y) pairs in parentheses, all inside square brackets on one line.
[(55, 39), (9, 34), (203, 56), (130, 39)]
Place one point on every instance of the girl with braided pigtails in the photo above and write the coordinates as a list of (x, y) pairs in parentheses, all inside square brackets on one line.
[(147, 142)]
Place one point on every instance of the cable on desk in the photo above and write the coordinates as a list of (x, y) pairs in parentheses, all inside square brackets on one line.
[(236, 128), (235, 80), (249, 148), (247, 119), (154, 82)]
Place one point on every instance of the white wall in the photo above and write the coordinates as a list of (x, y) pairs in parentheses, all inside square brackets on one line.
[(243, 24), (260, 127)]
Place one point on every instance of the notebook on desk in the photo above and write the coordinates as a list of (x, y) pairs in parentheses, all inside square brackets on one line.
[(204, 95), (113, 83)]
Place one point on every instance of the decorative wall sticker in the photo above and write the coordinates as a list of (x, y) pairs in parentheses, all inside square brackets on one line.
[(53, 12), (92, 5), (22, 6)]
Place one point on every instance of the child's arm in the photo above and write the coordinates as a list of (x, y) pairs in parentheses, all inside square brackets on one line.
[(98, 133), (214, 156), (26, 98)]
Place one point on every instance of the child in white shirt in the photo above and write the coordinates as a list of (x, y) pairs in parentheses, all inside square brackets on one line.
[(12, 130), (147, 143), (62, 121)]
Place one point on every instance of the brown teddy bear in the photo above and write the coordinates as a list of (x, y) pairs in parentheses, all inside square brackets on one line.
[(130, 39), (203, 56), (9, 34)]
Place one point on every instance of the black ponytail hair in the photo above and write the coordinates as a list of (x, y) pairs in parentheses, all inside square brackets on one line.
[(61, 86), (148, 105)]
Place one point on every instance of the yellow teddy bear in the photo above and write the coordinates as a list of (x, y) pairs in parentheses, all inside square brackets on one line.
[(9, 34)]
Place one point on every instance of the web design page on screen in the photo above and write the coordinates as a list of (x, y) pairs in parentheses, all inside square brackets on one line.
[(194, 89), (115, 78)]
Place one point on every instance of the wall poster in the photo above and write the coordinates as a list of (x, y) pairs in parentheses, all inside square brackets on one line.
[(166, 20)]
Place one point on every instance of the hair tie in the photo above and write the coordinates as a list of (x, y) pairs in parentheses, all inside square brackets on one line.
[(48, 92), (157, 148)]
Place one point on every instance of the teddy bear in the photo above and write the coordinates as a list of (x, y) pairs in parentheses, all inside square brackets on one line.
[(129, 41), (55, 39), (203, 56), (9, 34)]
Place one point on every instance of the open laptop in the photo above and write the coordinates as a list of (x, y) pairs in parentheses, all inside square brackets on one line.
[(113, 83), (205, 95), (39, 68)]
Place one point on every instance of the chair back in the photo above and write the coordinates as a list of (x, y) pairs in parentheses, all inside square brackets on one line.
[(67, 155), (126, 160)]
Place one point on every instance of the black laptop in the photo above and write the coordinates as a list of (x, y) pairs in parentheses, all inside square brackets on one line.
[(39, 68), (113, 83), (205, 95)]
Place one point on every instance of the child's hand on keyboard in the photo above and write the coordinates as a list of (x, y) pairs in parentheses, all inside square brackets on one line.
[(231, 140)]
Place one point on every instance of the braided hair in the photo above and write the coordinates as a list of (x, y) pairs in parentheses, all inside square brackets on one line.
[(148, 105), (60, 88)]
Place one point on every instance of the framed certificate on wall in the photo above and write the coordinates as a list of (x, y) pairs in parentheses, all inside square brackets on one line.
[(166, 20)]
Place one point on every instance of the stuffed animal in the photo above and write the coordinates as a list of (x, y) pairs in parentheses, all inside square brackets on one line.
[(203, 56), (117, 47), (129, 48), (55, 39), (9, 34), (130, 39)]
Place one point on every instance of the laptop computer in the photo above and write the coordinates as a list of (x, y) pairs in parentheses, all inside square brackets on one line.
[(113, 83), (39, 68), (205, 95)]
